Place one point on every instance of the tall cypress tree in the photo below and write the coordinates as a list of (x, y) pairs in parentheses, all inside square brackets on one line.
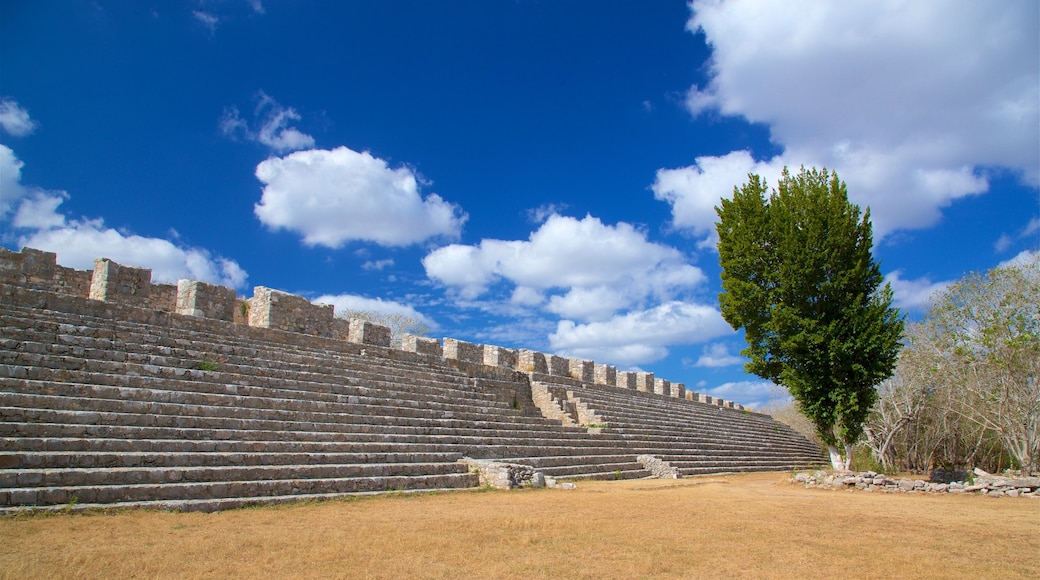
[(798, 276)]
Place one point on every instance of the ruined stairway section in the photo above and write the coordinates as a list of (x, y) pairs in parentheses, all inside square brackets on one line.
[(693, 438), (98, 407)]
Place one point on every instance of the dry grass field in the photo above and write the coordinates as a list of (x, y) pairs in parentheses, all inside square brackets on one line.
[(747, 526)]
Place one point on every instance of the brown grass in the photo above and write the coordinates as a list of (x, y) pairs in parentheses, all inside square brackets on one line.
[(733, 526)]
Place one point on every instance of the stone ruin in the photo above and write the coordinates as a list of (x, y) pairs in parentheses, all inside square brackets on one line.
[(204, 400)]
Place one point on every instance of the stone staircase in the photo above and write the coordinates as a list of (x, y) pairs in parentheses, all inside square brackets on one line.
[(101, 409), (126, 404), (694, 438)]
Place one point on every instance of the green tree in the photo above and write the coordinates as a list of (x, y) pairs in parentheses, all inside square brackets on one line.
[(798, 276)]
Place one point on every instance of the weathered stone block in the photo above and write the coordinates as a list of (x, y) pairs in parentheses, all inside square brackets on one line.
[(497, 356), (605, 375), (626, 379), (529, 361), (645, 382), (365, 332), (558, 366), (275, 309), (204, 300), (462, 351), (706, 399), (583, 370), (421, 345), (678, 390), (112, 282), (662, 387)]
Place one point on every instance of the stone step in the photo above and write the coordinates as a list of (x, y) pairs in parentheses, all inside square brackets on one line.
[(246, 489), (99, 459), (62, 411), (192, 346), (35, 364), (140, 475), (479, 443), (122, 443), (118, 398)]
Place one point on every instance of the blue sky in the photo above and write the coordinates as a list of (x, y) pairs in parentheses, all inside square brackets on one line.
[(524, 173)]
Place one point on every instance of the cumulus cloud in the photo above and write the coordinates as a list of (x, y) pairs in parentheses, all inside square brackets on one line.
[(641, 336), (753, 394), (79, 242), (717, 355), (14, 119), (913, 294), (272, 126), (345, 302), (331, 197), (599, 268), (907, 101)]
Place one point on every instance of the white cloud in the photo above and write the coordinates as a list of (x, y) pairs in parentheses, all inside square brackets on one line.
[(753, 394), (345, 302), (378, 264), (11, 189), (1005, 241), (334, 196), (14, 119), (601, 268), (694, 191), (79, 242), (207, 19), (642, 336), (913, 294), (273, 131), (717, 356), (1023, 258), (907, 101)]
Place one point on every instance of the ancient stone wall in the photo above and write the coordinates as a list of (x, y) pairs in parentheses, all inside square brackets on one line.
[(271, 309)]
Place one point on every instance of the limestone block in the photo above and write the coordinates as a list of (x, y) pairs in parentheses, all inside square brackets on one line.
[(605, 375), (365, 332), (583, 370), (558, 366), (678, 390), (275, 309), (692, 395), (462, 351), (706, 399), (340, 328), (626, 379), (662, 387), (529, 361), (497, 356), (112, 282), (645, 382), (205, 300), (421, 345)]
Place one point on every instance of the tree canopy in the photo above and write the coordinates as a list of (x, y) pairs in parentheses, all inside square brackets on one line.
[(799, 277)]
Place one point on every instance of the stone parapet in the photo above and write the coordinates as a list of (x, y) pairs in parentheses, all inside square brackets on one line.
[(558, 365), (462, 351), (529, 361), (645, 382), (605, 375), (497, 356), (421, 345), (112, 282), (205, 300), (583, 370), (283, 311), (364, 332), (626, 380), (662, 387)]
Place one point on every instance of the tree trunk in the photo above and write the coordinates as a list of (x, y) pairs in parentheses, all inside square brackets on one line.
[(836, 461)]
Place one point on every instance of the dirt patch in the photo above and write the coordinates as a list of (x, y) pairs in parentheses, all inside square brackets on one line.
[(742, 525)]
